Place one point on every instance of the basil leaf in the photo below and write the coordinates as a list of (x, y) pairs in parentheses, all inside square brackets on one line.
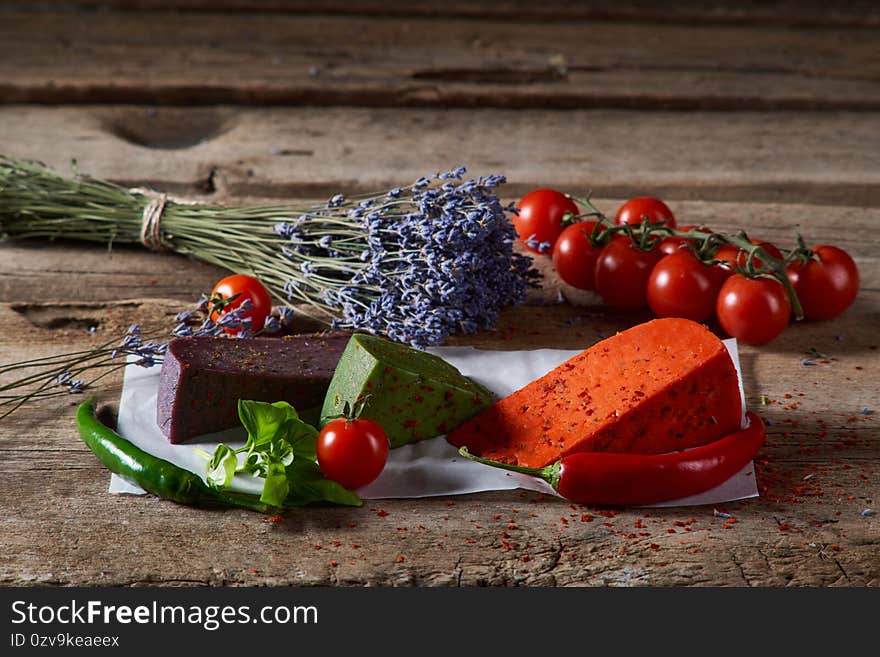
[(276, 488), (263, 420), (281, 451), (302, 437), (308, 484), (221, 468), (253, 463)]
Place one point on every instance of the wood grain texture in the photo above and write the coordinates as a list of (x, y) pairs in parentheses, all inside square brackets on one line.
[(856, 13), (325, 59), (826, 158)]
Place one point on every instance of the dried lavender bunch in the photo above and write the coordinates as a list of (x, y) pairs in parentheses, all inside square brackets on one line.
[(415, 264)]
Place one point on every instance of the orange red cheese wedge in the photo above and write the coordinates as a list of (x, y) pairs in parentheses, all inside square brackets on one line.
[(661, 386)]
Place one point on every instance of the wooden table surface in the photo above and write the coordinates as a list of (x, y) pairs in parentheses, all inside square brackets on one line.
[(762, 116)]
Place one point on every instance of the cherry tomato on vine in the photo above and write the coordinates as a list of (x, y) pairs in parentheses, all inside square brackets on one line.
[(636, 209), (754, 310), (682, 286), (769, 247), (732, 255), (540, 218), (622, 271), (729, 257), (352, 452), (825, 287), (672, 244), (574, 256), (246, 287)]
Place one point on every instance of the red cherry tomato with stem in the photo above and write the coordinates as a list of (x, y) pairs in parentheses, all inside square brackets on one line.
[(682, 286), (636, 209), (728, 254), (539, 221), (622, 271), (245, 287), (827, 286), (671, 244), (753, 310), (769, 247), (574, 256), (352, 452)]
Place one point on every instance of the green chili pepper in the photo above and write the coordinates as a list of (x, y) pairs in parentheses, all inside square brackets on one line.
[(153, 474)]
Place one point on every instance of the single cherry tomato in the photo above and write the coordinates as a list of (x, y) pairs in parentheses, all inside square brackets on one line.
[(729, 257), (539, 221), (682, 286), (742, 257), (245, 287), (827, 286), (754, 310), (635, 210), (728, 254), (574, 256), (622, 271), (672, 244), (769, 247), (352, 452), (732, 255)]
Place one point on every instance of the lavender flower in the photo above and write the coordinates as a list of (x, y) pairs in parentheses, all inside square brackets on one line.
[(415, 264), (66, 380), (285, 315), (231, 321), (533, 243), (149, 353), (271, 325)]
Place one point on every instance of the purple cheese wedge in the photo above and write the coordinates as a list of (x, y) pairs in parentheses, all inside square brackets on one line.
[(203, 378)]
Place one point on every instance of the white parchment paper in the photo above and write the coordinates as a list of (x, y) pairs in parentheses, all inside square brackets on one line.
[(427, 468)]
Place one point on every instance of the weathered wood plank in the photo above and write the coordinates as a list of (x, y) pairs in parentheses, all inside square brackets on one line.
[(858, 13), (828, 158), (305, 59)]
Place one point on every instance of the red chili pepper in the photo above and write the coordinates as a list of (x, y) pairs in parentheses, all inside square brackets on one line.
[(628, 479)]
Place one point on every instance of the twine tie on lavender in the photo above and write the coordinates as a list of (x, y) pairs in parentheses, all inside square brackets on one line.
[(151, 226)]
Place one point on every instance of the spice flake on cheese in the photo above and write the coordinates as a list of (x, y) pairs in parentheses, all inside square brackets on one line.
[(661, 386)]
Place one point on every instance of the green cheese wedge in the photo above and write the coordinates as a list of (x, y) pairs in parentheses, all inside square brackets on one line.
[(413, 394)]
